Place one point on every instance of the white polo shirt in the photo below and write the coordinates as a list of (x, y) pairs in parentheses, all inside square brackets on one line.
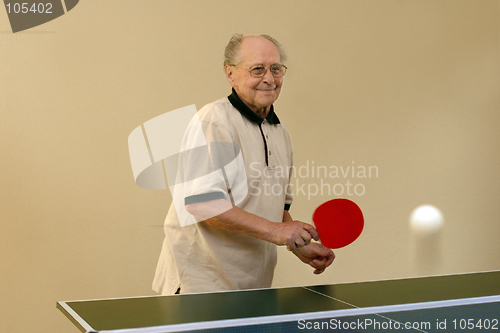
[(202, 258)]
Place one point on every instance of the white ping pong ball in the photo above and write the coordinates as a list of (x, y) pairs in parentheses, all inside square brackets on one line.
[(426, 220)]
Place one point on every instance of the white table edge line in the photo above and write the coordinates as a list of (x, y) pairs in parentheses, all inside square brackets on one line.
[(309, 315), (76, 317)]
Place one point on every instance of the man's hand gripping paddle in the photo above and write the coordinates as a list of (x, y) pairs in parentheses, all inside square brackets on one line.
[(339, 222)]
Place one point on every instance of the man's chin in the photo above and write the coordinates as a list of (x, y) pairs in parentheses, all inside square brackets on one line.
[(268, 98)]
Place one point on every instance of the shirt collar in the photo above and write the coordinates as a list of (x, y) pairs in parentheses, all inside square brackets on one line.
[(236, 101)]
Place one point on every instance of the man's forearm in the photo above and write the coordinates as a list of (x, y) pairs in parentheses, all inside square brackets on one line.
[(287, 217), (223, 215), (234, 219)]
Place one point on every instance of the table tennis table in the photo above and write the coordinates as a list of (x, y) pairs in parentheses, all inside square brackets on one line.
[(468, 302)]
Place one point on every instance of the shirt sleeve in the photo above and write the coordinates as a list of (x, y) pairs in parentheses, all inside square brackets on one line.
[(210, 164)]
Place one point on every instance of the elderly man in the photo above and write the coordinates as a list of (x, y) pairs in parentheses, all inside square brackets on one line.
[(235, 247)]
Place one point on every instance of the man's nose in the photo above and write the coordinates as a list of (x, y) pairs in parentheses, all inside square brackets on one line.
[(268, 77)]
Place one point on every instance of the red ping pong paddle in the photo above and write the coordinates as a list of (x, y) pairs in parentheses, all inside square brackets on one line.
[(339, 222)]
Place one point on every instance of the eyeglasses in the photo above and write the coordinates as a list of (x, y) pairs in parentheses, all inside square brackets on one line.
[(277, 70)]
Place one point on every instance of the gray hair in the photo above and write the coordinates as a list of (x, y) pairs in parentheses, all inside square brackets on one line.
[(231, 53)]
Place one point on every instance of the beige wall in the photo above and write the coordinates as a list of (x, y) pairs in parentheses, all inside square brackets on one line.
[(411, 87)]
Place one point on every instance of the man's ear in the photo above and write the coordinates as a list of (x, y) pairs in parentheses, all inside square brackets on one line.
[(229, 74)]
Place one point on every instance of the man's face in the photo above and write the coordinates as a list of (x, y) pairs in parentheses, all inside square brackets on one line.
[(258, 93)]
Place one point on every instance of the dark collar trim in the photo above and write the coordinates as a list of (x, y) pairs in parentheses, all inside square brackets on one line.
[(235, 100)]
